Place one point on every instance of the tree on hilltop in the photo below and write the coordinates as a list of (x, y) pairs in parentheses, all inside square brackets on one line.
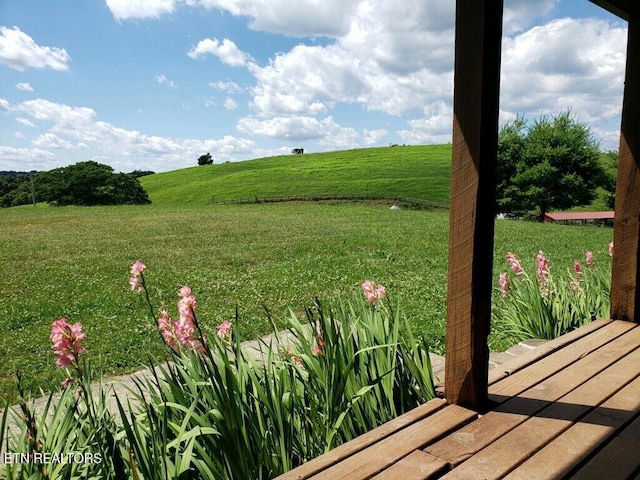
[(552, 164), (205, 159)]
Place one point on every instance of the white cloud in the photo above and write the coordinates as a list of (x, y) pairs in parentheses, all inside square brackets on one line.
[(575, 64), (126, 9), (324, 132), (4, 105), (518, 14), (25, 87), (26, 122), (51, 140), (228, 86), (227, 51), (72, 128), (18, 155), (19, 51), (230, 104), (162, 80), (304, 18)]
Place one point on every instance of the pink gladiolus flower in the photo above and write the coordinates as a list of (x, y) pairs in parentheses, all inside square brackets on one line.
[(224, 330), (135, 281), (543, 266), (589, 258), (373, 291), (504, 284), (611, 249), (137, 268), (66, 342), (167, 330), (514, 263), (577, 268)]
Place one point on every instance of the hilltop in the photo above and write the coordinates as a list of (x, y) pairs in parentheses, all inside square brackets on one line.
[(420, 172)]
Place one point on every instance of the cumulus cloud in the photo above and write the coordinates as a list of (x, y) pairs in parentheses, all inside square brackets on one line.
[(228, 86), (162, 80), (303, 18), (26, 122), (127, 9), (73, 128), (19, 51), (565, 64), (4, 105), (230, 104), (326, 132), (227, 51), (25, 87)]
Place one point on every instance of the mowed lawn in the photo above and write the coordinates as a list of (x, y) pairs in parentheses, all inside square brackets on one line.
[(74, 262)]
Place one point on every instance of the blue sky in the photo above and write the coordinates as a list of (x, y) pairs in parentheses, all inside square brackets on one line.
[(153, 84)]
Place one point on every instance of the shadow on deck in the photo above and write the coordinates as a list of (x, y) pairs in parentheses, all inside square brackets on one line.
[(568, 409)]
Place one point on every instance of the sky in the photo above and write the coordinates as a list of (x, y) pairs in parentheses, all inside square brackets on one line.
[(154, 84)]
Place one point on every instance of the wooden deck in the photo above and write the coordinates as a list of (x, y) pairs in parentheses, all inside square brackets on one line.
[(568, 409)]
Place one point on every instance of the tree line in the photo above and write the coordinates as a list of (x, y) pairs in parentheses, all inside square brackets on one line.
[(85, 183)]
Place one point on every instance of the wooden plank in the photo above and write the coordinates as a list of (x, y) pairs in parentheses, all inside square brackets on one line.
[(561, 456), (473, 198), (384, 453), (363, 441), (472, 438), (526, 359), (557, 361), (418, 465), (618, 460), (512, 449), (625, 281)]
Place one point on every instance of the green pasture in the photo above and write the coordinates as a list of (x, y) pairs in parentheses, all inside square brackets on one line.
[(74, 262), (420, 172)]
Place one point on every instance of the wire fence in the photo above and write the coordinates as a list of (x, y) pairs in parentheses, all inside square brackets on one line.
[(406, 202)]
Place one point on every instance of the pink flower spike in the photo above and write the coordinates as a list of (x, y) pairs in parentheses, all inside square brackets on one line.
[(611, 249), (66, 342), (514, 263), (137, 268), (373, 291), (136, 284), (504, 284), (577, 268), (224, 330), (543, 266), (185, 291), (589, 258)]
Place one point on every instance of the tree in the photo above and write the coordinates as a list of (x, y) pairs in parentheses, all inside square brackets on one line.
[(552, 164), (205, 159), (90, 183)]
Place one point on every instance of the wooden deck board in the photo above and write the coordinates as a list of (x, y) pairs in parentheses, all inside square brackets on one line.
[(357, 444), (513, 448), (619, 459), (475, 436), (571, 448), (572, 409), (388, 451), (418, 465)]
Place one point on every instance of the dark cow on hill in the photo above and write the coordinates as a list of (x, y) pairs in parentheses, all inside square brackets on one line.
[(297, 151)]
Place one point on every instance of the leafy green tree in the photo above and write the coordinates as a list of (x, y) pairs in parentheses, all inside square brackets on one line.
[(90, 183), (205, 159), (551, 164)]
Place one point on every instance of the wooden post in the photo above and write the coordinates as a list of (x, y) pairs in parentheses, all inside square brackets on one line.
[(625, 286), (473, 199)]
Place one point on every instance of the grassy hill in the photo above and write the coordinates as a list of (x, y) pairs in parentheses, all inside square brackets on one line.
[(420, 172)]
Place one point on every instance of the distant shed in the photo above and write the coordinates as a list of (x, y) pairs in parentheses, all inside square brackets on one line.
[(578, 216)]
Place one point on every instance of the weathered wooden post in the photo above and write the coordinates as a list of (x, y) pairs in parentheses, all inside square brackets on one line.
[(473, 200), (625, 286)]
